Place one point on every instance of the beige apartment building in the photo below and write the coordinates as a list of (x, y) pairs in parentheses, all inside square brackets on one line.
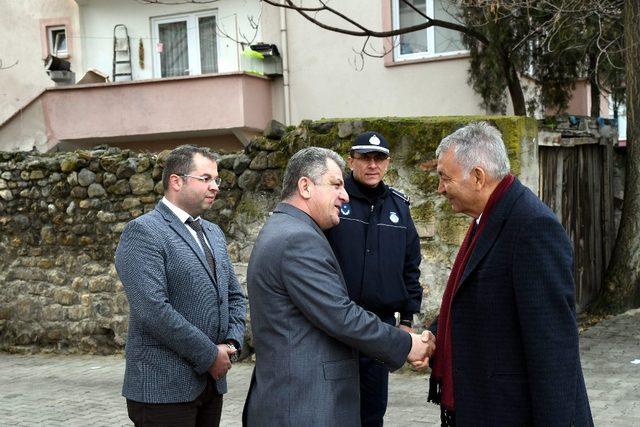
[(182, 73)]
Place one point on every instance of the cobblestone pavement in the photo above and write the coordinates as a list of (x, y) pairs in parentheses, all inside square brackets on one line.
[(85, 390)]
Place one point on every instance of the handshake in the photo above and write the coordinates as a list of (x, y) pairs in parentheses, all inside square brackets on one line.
[(422, 347)]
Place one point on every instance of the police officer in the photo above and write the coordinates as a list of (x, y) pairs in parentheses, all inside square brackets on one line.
[(378, 249)]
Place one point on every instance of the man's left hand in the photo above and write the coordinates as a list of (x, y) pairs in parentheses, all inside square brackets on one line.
[(222, 364)]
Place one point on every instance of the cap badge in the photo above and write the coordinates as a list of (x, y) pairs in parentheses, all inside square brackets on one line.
[(394, 217), (345, 209), (374, 140)]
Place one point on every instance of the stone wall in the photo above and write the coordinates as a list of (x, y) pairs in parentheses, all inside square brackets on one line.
[(61, 215)]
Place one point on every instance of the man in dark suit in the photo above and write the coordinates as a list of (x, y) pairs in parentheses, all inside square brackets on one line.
[(186, 309), (507, 340), (307, 332)]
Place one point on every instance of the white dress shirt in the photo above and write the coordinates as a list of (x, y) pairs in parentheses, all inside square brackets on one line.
[(183, 216)]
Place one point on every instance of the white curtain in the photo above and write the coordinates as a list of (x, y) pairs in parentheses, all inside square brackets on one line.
[(174, 58), (208, 49), (416, 41)]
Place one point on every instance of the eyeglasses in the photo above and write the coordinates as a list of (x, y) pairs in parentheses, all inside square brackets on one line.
[(206, 179), (376, 157)]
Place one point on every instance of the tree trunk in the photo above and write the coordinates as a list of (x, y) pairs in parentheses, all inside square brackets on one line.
[(516, 93), (515, 87), (621, 288), (593, 83)]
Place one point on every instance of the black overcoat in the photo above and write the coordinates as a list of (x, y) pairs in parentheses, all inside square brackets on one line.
[(516, 359)]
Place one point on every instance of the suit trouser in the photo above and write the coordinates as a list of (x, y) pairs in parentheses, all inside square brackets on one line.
[(206, 410), (374, 388)]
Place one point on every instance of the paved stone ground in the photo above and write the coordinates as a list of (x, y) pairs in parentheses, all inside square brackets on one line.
[(85, 390)]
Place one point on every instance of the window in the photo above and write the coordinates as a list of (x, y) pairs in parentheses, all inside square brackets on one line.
[(185, 45), (432, 42), (57, 39)]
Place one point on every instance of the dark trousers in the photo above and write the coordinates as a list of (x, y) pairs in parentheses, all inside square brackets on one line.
[(205, 411), (374, 388)]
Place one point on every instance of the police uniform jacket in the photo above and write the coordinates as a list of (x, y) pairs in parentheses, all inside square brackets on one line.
[(378, 249)]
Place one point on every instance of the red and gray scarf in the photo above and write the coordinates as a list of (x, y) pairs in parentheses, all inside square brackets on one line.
[(441, 381)]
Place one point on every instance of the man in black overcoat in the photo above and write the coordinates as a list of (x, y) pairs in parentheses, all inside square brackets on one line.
[(506, 337)]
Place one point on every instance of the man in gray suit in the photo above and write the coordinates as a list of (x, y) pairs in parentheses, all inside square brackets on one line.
[(187, 311), (307, 332)]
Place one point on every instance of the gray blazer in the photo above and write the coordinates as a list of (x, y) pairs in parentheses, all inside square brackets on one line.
[(178, 310), (306, 330)]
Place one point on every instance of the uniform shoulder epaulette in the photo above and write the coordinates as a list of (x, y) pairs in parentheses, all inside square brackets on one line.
[(400, 194)]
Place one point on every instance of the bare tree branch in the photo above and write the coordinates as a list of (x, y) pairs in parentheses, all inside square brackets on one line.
[(368, 32), (415, 9), (242, 38)]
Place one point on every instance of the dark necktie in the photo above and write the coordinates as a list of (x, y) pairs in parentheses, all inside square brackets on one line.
[(474, 230), (197, 227)]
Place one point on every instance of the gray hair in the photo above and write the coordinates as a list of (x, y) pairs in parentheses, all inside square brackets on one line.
[(180, 161), (310, 162), (478, 144)]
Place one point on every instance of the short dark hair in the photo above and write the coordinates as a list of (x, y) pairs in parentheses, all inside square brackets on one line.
[(310, 162), (180, 161)]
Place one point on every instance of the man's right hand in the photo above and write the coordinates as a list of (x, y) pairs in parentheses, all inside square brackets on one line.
[(422, 347), (222, 364)]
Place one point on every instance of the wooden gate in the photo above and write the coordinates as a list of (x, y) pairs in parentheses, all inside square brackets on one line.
[(576, 182)]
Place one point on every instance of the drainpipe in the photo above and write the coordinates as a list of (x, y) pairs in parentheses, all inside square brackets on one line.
[(285, 65), (239, 46)]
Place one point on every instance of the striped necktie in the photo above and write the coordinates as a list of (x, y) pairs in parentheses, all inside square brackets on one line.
[(197, 227)]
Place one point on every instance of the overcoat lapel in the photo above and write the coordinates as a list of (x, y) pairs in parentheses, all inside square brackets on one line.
[(174, 223), (492, 228)]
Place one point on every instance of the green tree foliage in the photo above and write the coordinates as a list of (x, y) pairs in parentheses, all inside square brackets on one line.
[(494, 66), (554, 44)]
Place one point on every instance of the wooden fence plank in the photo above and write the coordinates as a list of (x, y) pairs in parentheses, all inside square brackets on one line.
[(576, 183)]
